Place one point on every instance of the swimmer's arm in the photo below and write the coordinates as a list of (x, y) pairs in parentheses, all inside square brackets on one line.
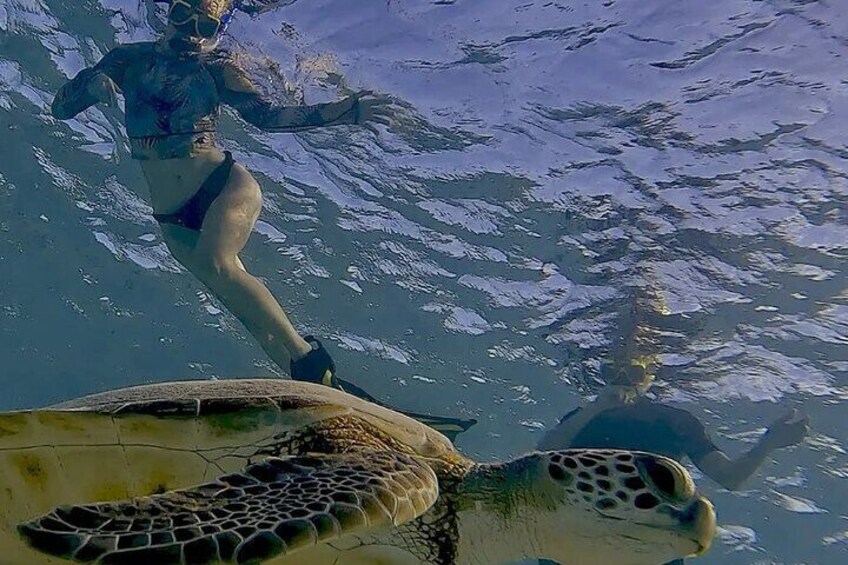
[(238, 91), (732, 473), (786, 431), (91, 85), (291, 119), (714, 463)]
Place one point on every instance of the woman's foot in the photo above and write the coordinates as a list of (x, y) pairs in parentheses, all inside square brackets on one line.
[(316, 366)]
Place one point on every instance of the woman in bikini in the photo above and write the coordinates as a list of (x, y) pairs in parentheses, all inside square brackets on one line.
[(205, 202)]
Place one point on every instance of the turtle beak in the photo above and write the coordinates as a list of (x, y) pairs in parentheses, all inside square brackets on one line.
[(700, 517)]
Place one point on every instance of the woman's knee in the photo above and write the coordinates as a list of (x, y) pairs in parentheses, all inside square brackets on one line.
[(212, 268)]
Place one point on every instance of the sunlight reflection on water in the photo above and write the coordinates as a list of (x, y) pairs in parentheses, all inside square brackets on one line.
[(550, 158)]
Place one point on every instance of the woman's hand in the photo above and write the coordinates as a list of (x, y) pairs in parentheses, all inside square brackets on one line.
[(369, 107), (789, 430), (377, 108), (103, 89)]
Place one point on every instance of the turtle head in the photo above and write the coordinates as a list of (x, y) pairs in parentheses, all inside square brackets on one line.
[(604, 506)]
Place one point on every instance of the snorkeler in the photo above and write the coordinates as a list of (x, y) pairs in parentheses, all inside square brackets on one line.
[(623, 417), (205, 202)]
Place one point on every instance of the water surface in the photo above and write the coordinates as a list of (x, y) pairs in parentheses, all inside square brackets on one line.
[(477, 258)]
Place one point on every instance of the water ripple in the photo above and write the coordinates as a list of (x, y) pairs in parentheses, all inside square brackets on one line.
[(550, 162)]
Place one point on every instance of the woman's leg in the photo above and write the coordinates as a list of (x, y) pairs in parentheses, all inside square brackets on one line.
[(212, 256)]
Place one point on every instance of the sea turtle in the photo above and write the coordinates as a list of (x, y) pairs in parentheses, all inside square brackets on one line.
[(292, 472)]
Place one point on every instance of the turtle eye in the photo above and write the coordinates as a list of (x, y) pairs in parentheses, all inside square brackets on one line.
[(667, 478), (662, 477)]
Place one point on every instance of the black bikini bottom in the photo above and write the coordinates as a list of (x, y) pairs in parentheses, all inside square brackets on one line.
[(194, 210)]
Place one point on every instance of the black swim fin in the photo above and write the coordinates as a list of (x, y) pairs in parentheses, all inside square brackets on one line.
[(449, 427)]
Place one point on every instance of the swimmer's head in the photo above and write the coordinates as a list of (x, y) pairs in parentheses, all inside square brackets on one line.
[(626, 382), (200, 22)]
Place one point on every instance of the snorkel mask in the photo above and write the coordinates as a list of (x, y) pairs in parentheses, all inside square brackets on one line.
[(631, 380), (201, 20)]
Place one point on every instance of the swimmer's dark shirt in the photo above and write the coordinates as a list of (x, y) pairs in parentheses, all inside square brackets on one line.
[(173, 99), (646, 426)]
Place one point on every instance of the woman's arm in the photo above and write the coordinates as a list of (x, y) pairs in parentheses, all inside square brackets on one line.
[(238, 91), (91, 85), (732, 473)]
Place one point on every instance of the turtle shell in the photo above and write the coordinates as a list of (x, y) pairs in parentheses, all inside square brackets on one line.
[(154, 438)]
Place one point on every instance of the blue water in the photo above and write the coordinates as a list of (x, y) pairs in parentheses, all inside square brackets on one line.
[(474, 259)]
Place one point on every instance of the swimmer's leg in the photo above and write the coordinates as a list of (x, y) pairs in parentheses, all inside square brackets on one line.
[(212, 256)]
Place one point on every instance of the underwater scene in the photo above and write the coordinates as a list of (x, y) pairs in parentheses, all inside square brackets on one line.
[(615, 227)]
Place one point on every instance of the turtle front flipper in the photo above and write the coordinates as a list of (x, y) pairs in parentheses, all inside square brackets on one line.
[(271, 508)]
